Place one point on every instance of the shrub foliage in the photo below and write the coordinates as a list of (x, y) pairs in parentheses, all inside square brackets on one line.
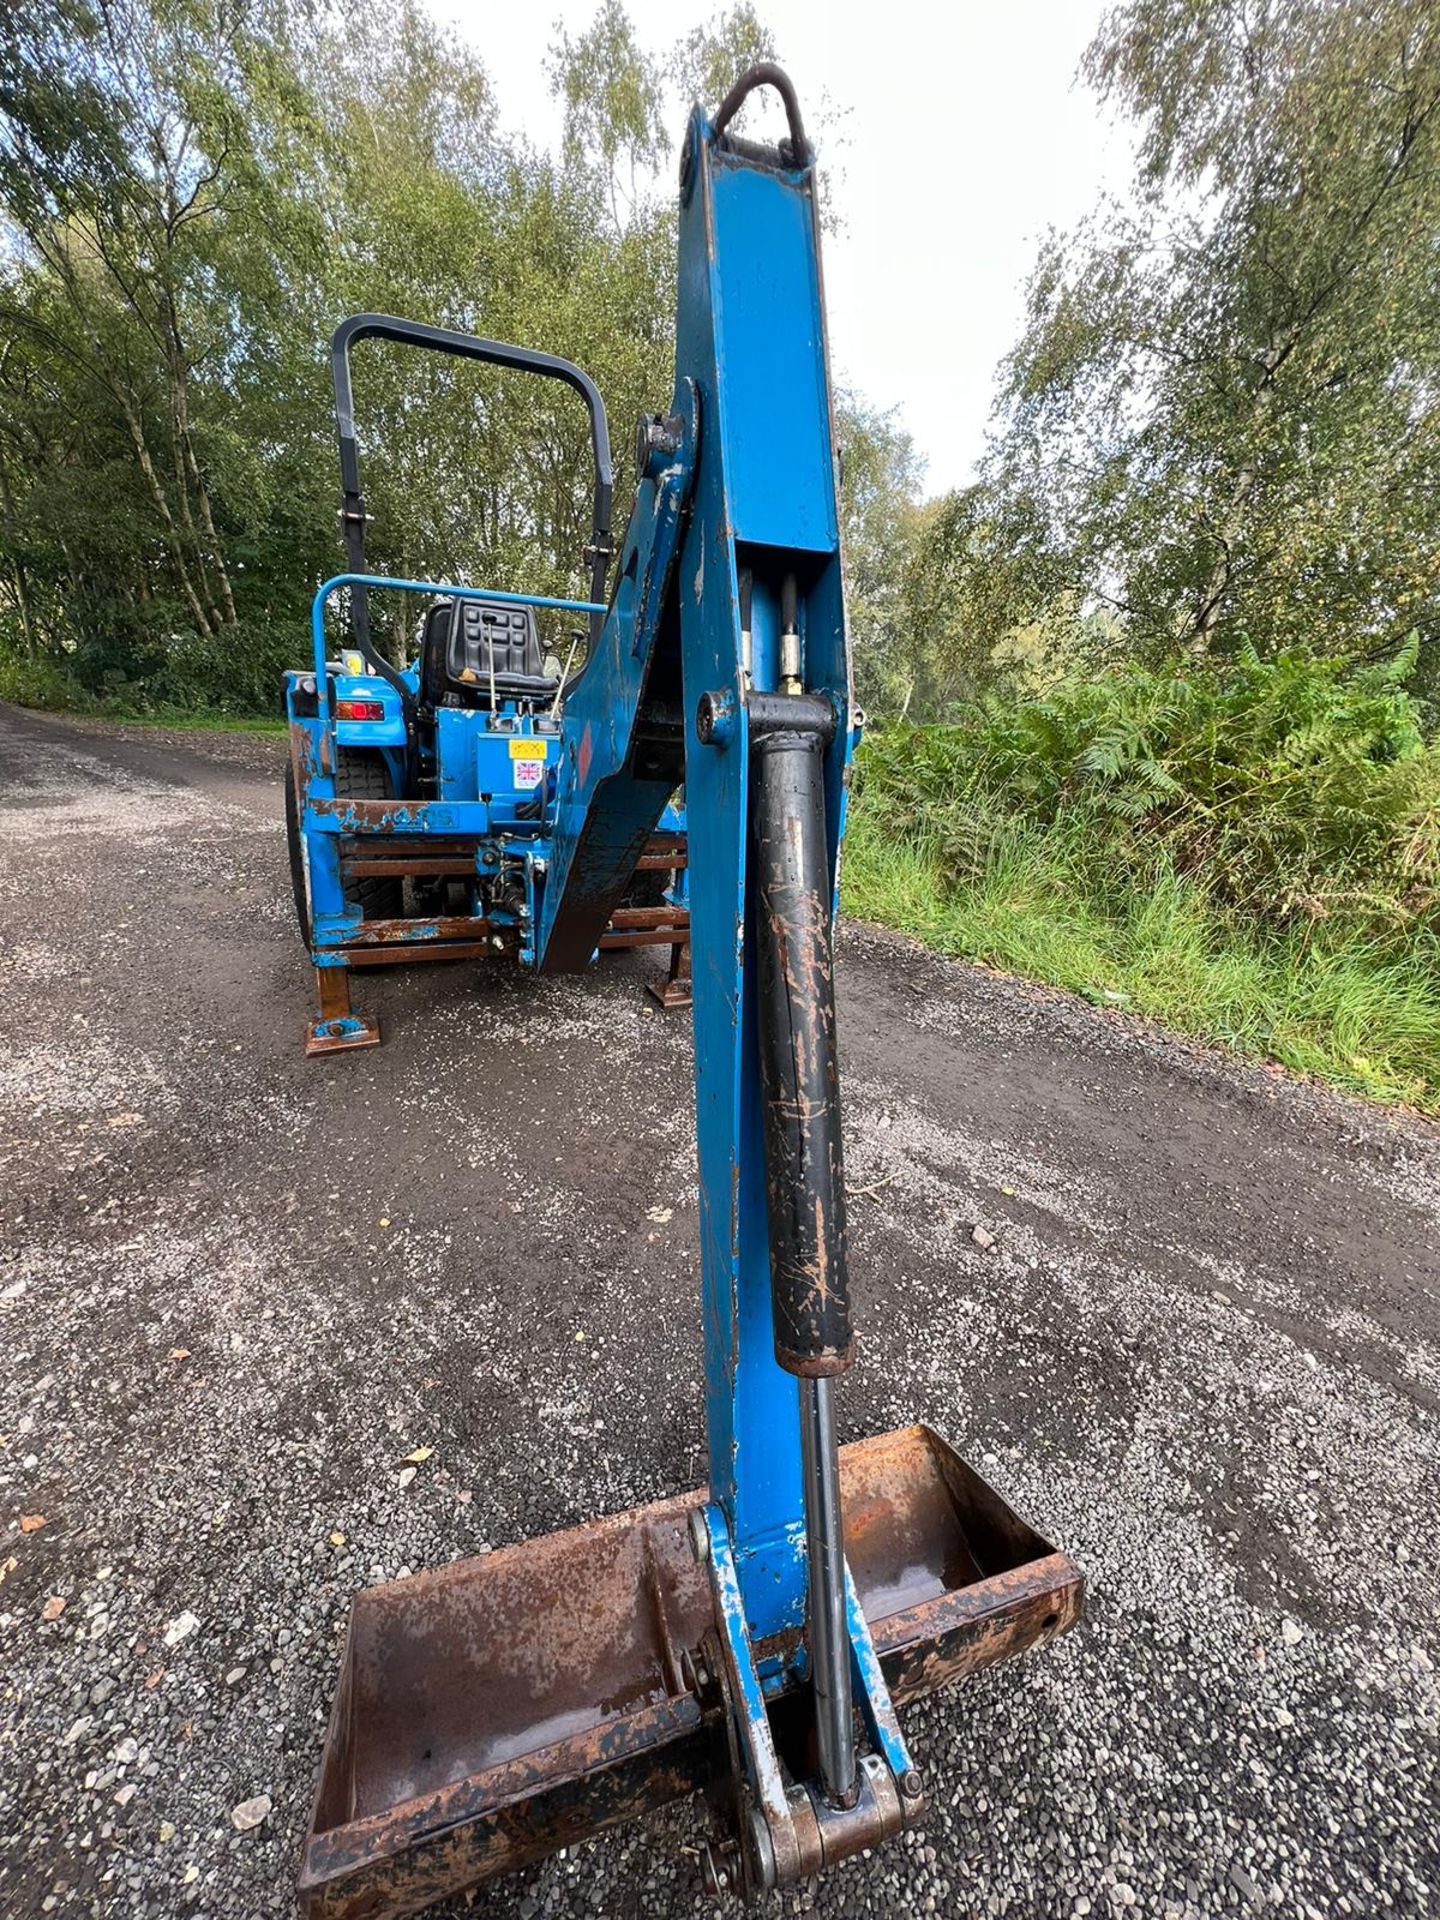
[(1295, 791)]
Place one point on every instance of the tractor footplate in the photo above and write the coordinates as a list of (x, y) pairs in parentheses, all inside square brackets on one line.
[(501, 1707)]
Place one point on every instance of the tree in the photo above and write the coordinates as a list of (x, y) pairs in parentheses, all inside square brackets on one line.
[(880, 473), (1222, 418), (614, 118), (710, 59), (193, 193), (123, 286)]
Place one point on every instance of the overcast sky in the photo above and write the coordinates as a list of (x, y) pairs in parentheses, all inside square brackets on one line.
[(958, 135)]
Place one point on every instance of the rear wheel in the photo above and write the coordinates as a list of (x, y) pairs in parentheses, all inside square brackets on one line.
[(647, 889), (295, 847), (363, 776)]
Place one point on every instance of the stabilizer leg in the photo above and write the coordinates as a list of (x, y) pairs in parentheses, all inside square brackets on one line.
[(673, 995), (338, 1026)]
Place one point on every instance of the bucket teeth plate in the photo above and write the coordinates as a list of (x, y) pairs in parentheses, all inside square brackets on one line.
[(501, 1707)]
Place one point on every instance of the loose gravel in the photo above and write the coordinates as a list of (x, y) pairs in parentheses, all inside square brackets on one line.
[(1184, 1314)]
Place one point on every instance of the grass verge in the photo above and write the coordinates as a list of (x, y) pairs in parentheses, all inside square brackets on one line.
[(202, 719), (51, 691), (1341, 1007)]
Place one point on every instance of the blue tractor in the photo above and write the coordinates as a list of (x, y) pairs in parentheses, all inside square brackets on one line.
[(420, 800)]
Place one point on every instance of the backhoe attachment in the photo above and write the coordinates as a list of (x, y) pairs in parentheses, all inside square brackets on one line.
[(751, 1641)]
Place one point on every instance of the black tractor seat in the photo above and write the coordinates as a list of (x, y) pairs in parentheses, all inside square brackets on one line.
[(474, 652)]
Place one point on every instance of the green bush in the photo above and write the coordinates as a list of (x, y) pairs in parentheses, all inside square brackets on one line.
[(43, 683), (237, 672), (52, 686), (1295, 790), (1252, 857)]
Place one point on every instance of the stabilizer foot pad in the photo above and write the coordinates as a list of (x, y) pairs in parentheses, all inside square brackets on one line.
[(338, 1036), (672, 996)]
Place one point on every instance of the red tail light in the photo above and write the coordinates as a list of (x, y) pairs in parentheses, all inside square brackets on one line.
[(359, 709)]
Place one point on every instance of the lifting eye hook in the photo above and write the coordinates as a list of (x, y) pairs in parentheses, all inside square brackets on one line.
[(766, 74)]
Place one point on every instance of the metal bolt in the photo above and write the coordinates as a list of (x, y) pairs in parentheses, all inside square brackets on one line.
[(699, 1535), (715, 717), (657, 434), (714, 1868), (911, 1785), (693, 1671)]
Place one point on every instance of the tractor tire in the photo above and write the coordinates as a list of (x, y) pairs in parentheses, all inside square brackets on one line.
[(362, 776), (294, 846), (646, 889)]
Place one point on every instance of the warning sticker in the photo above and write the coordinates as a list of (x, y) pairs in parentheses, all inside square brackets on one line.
[(527, 749), (528, 773)]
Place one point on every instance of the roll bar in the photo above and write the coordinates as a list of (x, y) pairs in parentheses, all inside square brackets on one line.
[(436, 590), (384, 326)]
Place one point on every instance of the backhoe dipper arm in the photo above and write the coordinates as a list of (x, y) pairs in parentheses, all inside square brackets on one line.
[(727, 632)]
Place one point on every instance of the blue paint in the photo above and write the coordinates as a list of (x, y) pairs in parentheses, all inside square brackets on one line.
[(758, 480), (732, 1611), (871, 1692), (771, 348), (473, 759), (417, 817), (608, 800), (480, 792), (764, 499)]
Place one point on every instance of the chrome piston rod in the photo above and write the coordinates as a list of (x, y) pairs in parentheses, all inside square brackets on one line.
[(828, 1635)]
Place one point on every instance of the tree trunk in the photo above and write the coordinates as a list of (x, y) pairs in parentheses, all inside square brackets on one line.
[(17, 567), (22, 600), (190, 475), (167, 518)]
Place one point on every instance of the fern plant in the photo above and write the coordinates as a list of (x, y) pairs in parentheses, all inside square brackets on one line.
[(1294, 790)]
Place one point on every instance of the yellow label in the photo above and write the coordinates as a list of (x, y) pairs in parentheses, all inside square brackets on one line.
[(527, 750)]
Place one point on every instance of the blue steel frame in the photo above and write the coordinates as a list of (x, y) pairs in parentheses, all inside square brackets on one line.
[(753, 342), (743, 477), (749, 453)]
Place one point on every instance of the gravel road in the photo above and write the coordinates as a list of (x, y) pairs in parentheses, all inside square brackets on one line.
[(238, 1287)]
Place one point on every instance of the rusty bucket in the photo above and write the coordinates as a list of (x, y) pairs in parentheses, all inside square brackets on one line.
[(501, 1707)]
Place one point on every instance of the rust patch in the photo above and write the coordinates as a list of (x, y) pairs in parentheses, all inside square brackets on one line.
[(384, 933)]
